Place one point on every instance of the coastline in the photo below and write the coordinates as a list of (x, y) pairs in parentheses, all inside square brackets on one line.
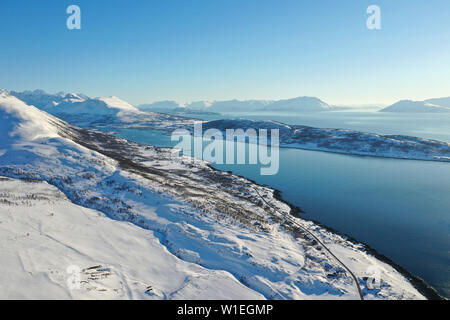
[(424, 288), (421, 285), (282, 145)]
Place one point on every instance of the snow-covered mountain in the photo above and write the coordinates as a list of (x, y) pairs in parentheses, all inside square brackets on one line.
[(300, 104), (210, 106), (307, 104), (145, 223), (199, 105), (75, 104), (98, 107), (173, 107), (161, 106), (443, 102), (427, 106), (238, 106), (44, 100)]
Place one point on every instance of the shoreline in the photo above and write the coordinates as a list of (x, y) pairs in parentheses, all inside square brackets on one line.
[(418, 283)]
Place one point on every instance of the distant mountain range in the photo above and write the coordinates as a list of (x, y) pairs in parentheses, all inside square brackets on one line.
[(306, 104), (112, 112), (71, 103), (426, 106)]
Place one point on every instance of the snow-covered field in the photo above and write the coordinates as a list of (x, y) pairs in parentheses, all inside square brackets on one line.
[(43, 234), (141, 222)]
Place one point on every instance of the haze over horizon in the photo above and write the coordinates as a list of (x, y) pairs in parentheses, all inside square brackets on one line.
[(204, 50)]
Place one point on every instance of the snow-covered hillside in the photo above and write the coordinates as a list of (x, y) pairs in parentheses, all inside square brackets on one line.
[(171, 226), (45, 238), (443, 102)]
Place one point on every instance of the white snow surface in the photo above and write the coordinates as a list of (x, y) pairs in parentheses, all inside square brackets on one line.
[(117, 103), (159, 226), (70, 103), (43, 234), (23, 121)]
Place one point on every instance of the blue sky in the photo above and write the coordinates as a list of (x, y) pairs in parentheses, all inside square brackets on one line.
[(145, 50)]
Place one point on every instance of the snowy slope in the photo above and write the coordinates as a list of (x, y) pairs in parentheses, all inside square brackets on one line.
[(43, 234), (443, 102), (103, 106), (75, 104), (22, 122), (179, 226)]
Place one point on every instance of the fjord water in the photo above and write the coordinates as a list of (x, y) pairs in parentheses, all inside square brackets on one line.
[(401, 208)]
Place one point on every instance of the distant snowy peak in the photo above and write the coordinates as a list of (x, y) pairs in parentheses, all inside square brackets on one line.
[(160, 106), (298, 104), (427, 106), (238, 105), (291, 105), (199, 105)]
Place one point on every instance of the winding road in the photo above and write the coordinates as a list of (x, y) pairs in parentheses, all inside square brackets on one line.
[(355, 279)]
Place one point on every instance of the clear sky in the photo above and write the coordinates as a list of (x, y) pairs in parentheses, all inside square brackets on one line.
[(147, 50)]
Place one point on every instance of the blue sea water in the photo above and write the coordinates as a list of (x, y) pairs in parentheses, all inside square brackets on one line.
[(401, 208)]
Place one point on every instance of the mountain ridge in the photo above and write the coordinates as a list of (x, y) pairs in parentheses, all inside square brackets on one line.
[(437, 105), (294, 104)]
